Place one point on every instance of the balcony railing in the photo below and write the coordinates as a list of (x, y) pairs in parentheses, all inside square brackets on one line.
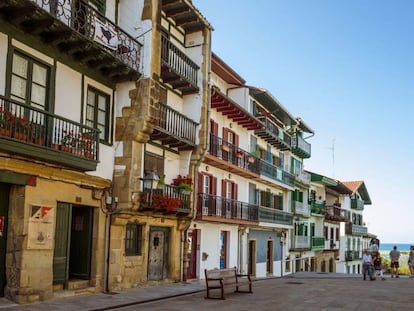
[(177, 68), (271, 215), (233, 154), (357, 204), (276, 173), (174, 129), (349, 255), (273, 134), (301, 208), (226, 209), (335, 213), (301, 242), (78, 29), (169, 199), (353, 229), (318, 243), (300, 147), (303, 177), (318, 208), (36, 133)]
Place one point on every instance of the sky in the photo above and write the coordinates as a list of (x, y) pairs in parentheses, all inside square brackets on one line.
[(346, 67)]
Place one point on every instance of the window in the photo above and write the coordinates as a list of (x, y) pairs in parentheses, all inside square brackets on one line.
[(29, 81), (133, 239), (98, 112)]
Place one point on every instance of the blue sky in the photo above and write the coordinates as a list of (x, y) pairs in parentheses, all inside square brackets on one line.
[(347, 68)]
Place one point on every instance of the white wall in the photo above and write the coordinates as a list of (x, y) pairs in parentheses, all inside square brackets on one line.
[(210, 244), (3, 62)]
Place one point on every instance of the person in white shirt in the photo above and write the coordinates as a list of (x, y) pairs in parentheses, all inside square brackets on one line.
[(367, 265)]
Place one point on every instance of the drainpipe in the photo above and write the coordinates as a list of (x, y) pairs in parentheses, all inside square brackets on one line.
[(206, 89)]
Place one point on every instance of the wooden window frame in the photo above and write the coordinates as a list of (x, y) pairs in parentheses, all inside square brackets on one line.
[(133, 239)]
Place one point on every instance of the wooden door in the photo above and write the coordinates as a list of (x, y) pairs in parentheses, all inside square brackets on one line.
[(158, 254)]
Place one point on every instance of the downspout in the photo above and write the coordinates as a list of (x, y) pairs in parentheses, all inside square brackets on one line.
[(201, 149)]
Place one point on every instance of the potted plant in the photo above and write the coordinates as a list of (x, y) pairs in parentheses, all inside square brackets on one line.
[(183, 183), (5, 122)]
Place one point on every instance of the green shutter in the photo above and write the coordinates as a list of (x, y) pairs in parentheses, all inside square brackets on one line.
[(60, 255)]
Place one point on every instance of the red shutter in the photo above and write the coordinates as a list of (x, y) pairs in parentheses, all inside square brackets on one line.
[(234, 191), (214, 127), (223, 188), (200, 182), (225, 133), (213, 185), (236, 139)]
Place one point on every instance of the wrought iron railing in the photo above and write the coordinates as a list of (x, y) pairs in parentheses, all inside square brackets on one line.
[(30, 125), (165, 199), (233, 154), (276, 132), (178, 61), (276, 173), (275, 216), (87, 21), (217, 206)]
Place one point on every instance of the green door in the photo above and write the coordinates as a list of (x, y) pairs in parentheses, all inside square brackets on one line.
[(81, 242), (62, 240), (73, 240), (4, 208)]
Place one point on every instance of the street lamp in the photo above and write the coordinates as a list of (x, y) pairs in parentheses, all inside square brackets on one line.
[(150, 180)]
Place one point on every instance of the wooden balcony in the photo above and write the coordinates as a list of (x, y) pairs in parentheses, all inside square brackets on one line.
[(302, 177), (335, 213), (357, 204), (77, 29), (318, 209), (177, 69), (301, 242), (318, 243), (273, 134), (167, 200), (225, 155), (184, 15), (219, 209), (354, 229), (300, 147), (301, 208), (174, 129), (30, 132), (275, 216)]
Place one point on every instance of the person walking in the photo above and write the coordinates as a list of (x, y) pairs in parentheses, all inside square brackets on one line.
[(395, 262), (367, 265), (378, 265), (411, 261)]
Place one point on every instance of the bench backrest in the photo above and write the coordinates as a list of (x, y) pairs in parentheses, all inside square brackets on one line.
[(228, 275)]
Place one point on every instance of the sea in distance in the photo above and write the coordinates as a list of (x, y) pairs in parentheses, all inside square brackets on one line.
[(387, 247)]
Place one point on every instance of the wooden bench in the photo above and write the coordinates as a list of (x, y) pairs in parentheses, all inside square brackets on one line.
[(225, 278)]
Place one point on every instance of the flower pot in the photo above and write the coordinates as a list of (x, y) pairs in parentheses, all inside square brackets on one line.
[(5, 132), (250, 159), (225, 148), (239, 155)]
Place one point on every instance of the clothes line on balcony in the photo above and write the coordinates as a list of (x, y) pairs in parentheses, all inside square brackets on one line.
[(105, 35)]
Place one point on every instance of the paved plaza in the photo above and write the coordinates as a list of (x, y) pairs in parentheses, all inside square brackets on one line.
[(302, 291)]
